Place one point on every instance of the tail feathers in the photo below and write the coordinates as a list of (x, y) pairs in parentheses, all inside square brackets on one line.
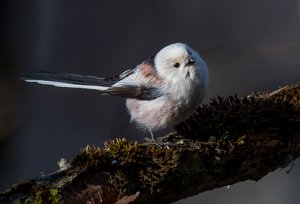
[(68, 80)]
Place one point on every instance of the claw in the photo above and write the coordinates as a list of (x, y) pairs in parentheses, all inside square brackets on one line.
[(153, 140)]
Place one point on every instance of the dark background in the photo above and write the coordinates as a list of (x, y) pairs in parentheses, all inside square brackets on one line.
[(248, 45)]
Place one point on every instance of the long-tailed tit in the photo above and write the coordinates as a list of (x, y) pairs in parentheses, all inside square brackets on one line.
[(162, 91)]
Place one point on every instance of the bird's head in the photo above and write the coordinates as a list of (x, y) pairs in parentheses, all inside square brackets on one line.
[(179, 60)]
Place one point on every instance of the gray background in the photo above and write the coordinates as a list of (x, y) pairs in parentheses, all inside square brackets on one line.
[(248, 45)]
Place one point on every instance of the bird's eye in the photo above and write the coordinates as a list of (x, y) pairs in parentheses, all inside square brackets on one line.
[(176, 65)]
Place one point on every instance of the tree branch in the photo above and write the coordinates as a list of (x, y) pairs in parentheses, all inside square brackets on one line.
[(226, 141)]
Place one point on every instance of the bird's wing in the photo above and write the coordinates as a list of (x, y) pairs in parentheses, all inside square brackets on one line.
[(133, 83), (143, 83)]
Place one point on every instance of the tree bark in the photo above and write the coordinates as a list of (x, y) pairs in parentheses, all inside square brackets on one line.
[(224, 142)]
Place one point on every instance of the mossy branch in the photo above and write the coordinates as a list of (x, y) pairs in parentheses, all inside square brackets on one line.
[(226, 141)]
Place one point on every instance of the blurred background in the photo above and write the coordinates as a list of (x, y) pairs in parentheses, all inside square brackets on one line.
[(248, 45)]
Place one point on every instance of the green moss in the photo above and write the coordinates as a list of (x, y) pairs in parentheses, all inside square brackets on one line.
[(140, 166), (91, 156), (241, 116), (164, 163), (45, 194), (124, 150)]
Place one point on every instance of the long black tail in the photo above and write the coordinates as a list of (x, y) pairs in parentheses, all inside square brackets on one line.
[(68, 80)]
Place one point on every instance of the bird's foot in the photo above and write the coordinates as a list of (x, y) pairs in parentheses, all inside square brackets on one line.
[(153, 140), (157, 143)]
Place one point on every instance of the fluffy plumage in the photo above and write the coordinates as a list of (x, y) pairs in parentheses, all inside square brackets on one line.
[(162, 91)]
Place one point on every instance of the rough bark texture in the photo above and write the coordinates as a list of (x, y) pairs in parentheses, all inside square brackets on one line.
[(226, 141)]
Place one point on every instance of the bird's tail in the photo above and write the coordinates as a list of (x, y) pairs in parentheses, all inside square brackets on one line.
[(68, 80)]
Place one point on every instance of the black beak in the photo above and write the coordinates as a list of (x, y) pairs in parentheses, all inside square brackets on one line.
[(190, 62)]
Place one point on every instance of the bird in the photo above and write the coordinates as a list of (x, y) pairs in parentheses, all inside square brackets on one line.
[(162, 91)]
